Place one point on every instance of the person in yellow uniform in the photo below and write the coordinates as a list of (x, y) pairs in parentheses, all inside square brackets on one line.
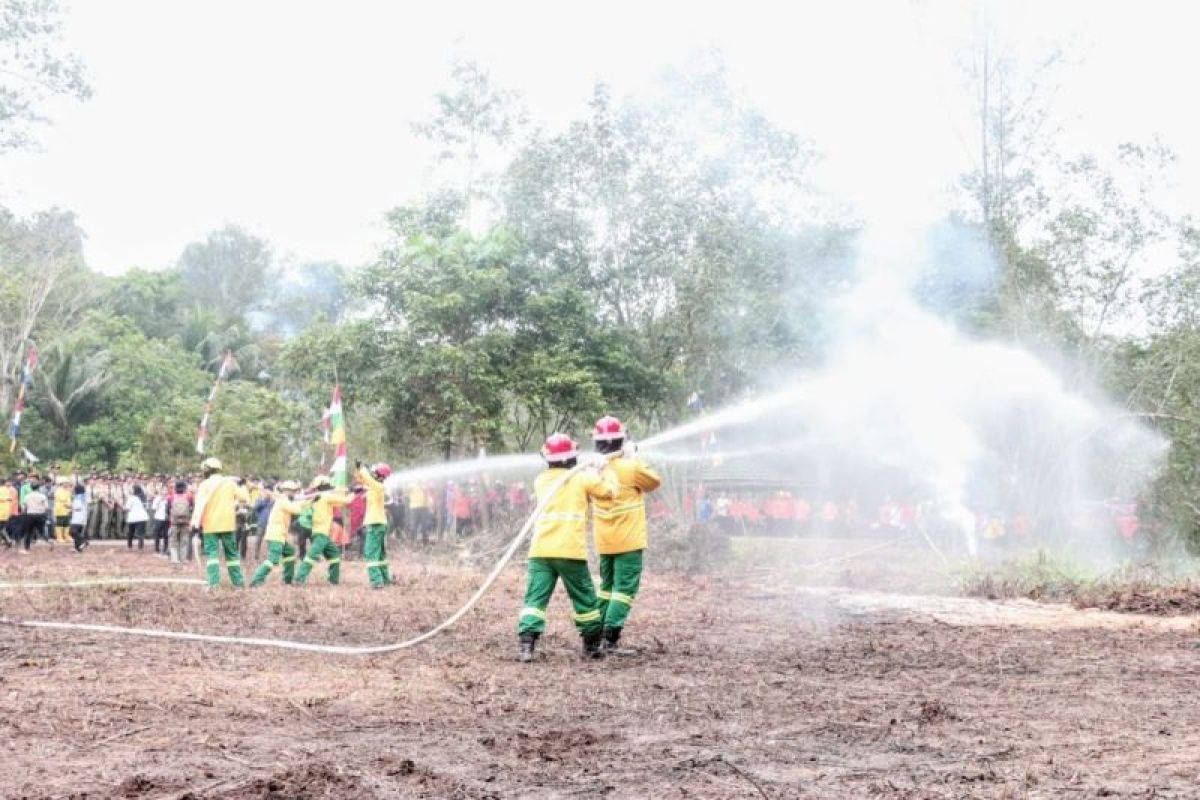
[(419, 514), (328, 502), (375, 520), (284, 509), (619, 525), (559, 547), (63, 495), (8, 502), (215, 518)]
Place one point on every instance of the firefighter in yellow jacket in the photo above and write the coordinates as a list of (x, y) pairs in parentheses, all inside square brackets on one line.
[(329, 501), (284, 509), (375, 521), (216, 519), (620, 529), (559, 547)]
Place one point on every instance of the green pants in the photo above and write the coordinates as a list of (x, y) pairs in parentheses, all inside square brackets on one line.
[(321, 547), (276, 552), (375, 553), (620, 576), (543, 575), (213, 543)]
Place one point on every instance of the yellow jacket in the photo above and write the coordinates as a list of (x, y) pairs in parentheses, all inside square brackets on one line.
[(561, 529), (8, 499), (620, 523), (324, 507), (62, 501), (417, 498), (216, 499), (376, 514), (283, 511)]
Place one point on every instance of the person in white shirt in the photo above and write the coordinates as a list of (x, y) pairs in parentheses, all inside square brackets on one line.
[(35, 509), (79, 516), (136, 517), (158, 507)]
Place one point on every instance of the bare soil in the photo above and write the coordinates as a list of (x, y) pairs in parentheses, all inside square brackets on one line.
[(745, 687)]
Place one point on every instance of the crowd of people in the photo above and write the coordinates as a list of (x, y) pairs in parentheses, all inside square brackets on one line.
[(214, 518), (783, 512), (61, 508)]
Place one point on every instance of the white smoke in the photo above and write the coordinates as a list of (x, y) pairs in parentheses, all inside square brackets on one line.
[(967, 426)]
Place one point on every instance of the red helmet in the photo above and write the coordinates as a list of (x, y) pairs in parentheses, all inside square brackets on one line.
[(558, 448), (382, 470), (608, 429)]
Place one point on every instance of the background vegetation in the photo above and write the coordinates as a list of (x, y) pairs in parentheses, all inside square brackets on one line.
[(656, 246)]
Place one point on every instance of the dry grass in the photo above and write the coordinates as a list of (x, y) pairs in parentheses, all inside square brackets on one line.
[(743, 690)]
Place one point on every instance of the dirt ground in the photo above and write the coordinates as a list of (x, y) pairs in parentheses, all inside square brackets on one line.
[(746, 687)]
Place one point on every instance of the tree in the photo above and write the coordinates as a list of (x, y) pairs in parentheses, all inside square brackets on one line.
[(446, 304), (228, 274), (33, 68), (142, 375), (472, 120), (71, 378), (42, 287), (154, 300), (676, 214), (1105, 226), (307, 293)]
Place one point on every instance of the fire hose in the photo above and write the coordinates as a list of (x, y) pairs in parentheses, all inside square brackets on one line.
[(284, 644)]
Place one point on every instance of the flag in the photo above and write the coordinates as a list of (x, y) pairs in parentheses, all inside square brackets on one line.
[(226, 364), (337, 437), (19, 406)]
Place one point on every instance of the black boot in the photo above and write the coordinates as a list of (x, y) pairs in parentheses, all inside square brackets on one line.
[(591, 645), (609, 645), (527, 643)]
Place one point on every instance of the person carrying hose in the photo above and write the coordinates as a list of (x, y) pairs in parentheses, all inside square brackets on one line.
[(376, 522), (215, 518), (619, 524), (559, 548), (328, 502), (284, 509)]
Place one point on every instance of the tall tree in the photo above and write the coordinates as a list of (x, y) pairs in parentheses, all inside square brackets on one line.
[(471, 122), (43, 286), (229, 274), (674, 213)]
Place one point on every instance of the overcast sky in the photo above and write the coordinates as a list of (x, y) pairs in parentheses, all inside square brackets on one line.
[(293, 118)]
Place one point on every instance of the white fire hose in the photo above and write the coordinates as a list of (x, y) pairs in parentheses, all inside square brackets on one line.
[(284, 644)]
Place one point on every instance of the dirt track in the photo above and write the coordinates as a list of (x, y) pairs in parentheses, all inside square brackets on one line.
[(742, 691)]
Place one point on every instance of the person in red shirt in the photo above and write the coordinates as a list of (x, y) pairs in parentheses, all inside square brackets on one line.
[(463, 520), (778, 509)]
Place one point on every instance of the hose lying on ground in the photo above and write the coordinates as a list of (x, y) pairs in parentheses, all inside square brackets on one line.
[(283, 644)]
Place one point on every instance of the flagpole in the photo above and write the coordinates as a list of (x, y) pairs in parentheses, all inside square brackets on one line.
[(19, 405), (202, 433)]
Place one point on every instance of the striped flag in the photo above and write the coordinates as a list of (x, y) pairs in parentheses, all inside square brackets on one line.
[(337, 437), (202, 434), (26, 381)]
